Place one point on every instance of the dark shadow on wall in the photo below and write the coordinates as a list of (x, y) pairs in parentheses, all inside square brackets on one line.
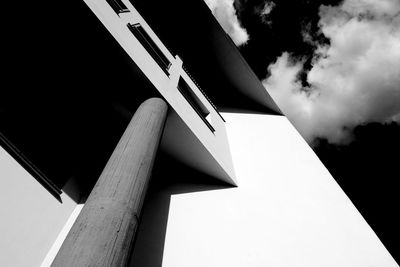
[(169, 178)]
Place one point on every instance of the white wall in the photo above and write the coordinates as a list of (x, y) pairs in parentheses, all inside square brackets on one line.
[(287, 210), (31, 218)]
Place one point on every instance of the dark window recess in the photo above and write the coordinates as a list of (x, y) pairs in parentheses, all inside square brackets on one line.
[(204, 94), (150, 46), (195, 102), (118, 6)]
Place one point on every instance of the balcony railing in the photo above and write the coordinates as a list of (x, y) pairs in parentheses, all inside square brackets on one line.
[(204, 94), (194, 102)]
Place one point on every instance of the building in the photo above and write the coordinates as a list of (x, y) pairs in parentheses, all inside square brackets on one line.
[(233, 184)]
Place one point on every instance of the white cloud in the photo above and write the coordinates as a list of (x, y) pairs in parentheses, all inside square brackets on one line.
[(264, 11), (354, 80), (268, 6), (224, 12), (374, 7)]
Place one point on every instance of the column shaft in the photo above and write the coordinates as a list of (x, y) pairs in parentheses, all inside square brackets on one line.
[(103, 233)]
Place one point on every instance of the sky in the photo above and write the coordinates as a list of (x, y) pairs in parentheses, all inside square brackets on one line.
[(333, 67)]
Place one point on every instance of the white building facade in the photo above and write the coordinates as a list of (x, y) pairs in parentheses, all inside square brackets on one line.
[(233, 186)]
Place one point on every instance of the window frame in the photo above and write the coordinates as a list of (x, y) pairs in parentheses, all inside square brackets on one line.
[(151, 47), (118, 6), (195, 102)]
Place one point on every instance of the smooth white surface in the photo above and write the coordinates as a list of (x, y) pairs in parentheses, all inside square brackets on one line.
[(31, 218), (61, 237), (287, 211)]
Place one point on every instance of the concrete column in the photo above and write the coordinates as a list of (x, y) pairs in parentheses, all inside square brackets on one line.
[(104, 232)]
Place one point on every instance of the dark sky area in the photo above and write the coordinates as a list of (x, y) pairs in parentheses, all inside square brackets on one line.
[(281, 32), (366, 168)]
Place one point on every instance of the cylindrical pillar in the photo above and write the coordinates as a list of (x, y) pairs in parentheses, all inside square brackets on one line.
[(104, 231)]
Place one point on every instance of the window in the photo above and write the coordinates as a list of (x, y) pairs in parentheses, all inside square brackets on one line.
[(195, 102), (150, 46), (118, 6)]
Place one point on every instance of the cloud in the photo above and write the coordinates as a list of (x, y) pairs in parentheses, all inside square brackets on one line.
[(264, 11), (225, 14), (378, 8), (353, 81)]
